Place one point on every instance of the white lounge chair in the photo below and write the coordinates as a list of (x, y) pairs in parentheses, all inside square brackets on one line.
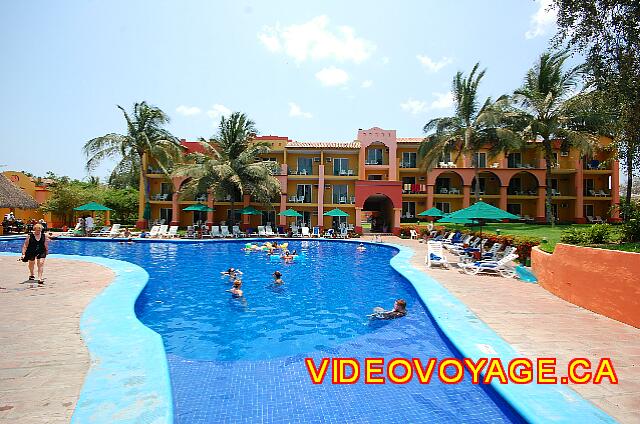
[(305, 232), (315, 232), (103, 232), (344, 233), (224, 231), (115, 230), (492, 267), (269, 231), (173, 232), (215, 231), (191, 233), (261, 231), (435, 255), (161, 232), (294, 231), (599, 219), (153, 232), (236, 231)]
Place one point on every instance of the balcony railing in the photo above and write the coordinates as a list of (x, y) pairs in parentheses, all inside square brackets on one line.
[(595, 165), (344, 200), (300, 199), (447, 190), (161, 196), (344, 172), (596, 193), (522, 192), (407, 164), (376, 162), (301, 172)]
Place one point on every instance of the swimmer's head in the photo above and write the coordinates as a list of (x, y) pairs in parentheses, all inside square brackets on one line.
[(237, 284), (277, 274), (400, 305)]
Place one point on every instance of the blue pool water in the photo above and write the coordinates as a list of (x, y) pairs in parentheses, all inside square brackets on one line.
[(242, 360)]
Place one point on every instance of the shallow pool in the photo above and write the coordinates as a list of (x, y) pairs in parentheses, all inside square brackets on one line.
[(242, 360)]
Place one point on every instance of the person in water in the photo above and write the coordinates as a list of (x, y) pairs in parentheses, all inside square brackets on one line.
[(35, 248), (287, 256), (231, 272), (277, 278), (361, 248), (399, 310), (236, 290)]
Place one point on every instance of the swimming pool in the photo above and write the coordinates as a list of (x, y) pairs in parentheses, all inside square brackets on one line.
[(235, 361)]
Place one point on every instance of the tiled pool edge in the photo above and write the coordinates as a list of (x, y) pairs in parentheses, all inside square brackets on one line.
[(474, 339), (128, 379)]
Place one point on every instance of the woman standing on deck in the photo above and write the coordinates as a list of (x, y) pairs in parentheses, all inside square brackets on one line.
[(36, 246)]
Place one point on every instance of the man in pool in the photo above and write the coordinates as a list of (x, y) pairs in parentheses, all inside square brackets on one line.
[(361, 248), (231, 272), (277, 278), (236, 290), (399, 310)]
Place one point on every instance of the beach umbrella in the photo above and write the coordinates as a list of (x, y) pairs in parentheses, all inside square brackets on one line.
[(146, 214), (433, 212), (12, 196), (199, 207), (336, 212), (92, 206), (290, 212), (481, 212), (450, 220), (250, 210)]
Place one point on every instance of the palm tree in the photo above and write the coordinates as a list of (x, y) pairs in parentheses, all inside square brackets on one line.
[(145, 139), (472, 128), (552, 110), (230, 164)]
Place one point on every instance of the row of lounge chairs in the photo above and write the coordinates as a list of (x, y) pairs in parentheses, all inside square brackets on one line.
[(473, 257), (105, 231), (165, 231)]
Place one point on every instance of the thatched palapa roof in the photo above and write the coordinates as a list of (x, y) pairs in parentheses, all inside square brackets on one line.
[(13, 197)]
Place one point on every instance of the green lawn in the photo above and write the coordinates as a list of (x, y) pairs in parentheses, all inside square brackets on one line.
[(520, 229), (627, 247)]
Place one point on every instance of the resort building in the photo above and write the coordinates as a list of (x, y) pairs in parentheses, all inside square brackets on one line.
[(377, 178), (38, 189)]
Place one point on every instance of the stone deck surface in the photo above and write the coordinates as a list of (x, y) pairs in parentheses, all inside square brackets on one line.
[(43, 360), (538, 324)]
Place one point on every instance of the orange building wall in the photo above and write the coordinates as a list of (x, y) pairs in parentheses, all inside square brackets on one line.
[(604, 281)]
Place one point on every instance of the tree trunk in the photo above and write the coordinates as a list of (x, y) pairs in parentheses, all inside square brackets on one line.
[(548, 156), (143, 185)]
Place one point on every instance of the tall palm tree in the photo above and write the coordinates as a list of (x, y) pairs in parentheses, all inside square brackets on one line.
[(145, 139), (472, 128), (230, 165), (553, 110)]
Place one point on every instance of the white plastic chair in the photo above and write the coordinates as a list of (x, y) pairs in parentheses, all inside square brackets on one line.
[(492, 267), (236, 231), (435, 255), (215, 231), (305, 232), (414, 234), (224, 231), (261, 231), (269, 231)]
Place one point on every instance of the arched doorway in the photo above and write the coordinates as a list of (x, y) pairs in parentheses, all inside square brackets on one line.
[(380, 208)]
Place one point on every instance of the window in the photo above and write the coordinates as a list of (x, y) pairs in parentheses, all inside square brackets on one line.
[(514, 208), (304, 192), (483, 182), (408, 180), (445, 157), (514, 160), (441, 183), (340, 166), (408, 210), (481, 160), (340, 193), (166, 188), (305, 165), (374, 177), (304, 219), (166, 214), (588, 210), (269, 217), (445, 207), (515, 186), (237, 217), (588, 187), (374, 156), (408, 160)]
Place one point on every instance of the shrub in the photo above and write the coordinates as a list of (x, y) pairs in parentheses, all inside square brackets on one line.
[(597, 234), (572, 235), (630, 228)]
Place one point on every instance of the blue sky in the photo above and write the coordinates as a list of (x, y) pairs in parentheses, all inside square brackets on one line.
[(305, 70)]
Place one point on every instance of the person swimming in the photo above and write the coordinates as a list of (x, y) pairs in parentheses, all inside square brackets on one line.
[(277, 278), (287, 256), (361, 248), (231, 272), (236, 290), (399, 310)]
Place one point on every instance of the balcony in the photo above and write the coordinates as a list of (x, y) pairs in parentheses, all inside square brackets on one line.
[(344, 200), (409, 165), (448, 191), (299, 199), (597, 194), (596, 165), (414, 188), (343, 173), (161, 197)]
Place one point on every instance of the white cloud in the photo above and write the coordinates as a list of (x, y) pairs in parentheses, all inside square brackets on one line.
[(314, 40), (432, 66), (332, 76), (366, 84), (542, 20), (295, 111), (188, 110), (414, 107), (217, 111), (385, 60), (442, 101)]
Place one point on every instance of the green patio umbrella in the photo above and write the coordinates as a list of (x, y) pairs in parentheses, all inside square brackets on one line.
[(146, 214), (433, 212), (250, 210), (481, 212), (450, 220), (199, 207), (92, 206), (336, 212), (290, 212)]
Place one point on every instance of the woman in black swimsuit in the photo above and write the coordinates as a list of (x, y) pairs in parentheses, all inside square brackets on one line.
[(36, 246)]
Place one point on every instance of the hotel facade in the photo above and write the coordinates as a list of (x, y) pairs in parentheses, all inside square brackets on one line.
[(376, 177)]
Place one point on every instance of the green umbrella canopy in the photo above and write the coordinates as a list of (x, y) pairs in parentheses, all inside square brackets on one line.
[(336, 212), (482, 211), (199, 207), (290, 212), (435, 212), (92, 206), (450, 220), (250, 210), (147, 211)]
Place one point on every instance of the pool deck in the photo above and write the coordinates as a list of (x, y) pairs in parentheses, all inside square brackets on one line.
[(538, 324), (43, 359)]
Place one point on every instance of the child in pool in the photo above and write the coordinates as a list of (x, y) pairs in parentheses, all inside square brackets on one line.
[(399, 310), (231, 272), (277, 278), (236, 290)]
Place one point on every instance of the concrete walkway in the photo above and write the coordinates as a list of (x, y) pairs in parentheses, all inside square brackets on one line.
[(539, 324), (43, 360)]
